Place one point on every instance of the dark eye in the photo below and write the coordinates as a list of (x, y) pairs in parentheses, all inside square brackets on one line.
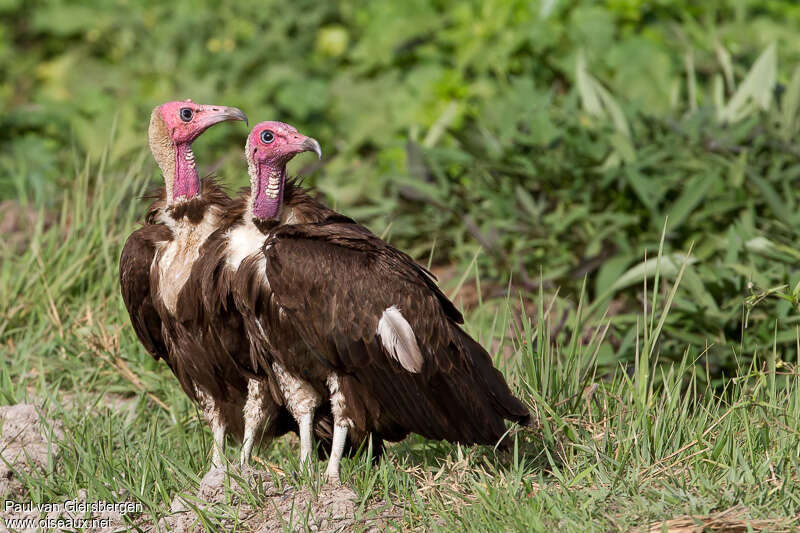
[(267, 136), (186, 114)]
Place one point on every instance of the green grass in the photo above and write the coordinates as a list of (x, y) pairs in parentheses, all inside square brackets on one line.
[(612, 184), (557, 136), (617, 448)]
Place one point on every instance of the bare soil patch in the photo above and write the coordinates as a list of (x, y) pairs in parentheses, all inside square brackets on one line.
[(260, 503), (27, 441), (333, 508)]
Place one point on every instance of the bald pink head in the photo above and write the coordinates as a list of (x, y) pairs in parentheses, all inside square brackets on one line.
[(173, 128), (186, 120), (270, 146)]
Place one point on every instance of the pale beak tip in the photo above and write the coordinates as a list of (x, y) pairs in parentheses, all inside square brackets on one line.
[(232, 113), (313, 146)]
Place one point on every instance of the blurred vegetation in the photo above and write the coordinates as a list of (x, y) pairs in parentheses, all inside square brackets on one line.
[(557, 135)]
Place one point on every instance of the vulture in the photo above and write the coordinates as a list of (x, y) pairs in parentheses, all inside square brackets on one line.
[(345, 319), (210, 361), (211, 282), (157, 258)]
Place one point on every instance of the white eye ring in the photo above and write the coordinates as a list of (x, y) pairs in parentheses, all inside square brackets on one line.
[(267, 137)]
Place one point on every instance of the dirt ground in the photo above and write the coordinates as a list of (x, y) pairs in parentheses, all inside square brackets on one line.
[(28, 441), (334, 508)]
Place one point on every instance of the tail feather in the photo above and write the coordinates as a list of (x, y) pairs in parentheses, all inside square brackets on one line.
[(491, 382), (467, 404)]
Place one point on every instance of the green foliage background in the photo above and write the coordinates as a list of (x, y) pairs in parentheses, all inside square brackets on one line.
[(556, 135)]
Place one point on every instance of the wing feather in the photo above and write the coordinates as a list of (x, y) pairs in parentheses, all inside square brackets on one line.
[(134, 278), (375, 315)]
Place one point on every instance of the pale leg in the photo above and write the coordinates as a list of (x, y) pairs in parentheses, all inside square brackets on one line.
[(301, 400), (306, 423), (340, 426), (213, 415), (218, 429), (254, 417), (337, 449)]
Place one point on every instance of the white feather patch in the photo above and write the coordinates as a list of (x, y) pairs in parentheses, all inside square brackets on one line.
[(399, 340), (300, 396), (177, 256), (338, 401), (244, 240)]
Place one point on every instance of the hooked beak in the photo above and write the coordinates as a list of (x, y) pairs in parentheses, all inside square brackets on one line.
[(311, 145), (217, 114)]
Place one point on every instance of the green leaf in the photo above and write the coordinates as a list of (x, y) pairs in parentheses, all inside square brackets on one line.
[(771, 197), (693, 194), (587, 88), (725, 62), (757, 87), (645, 188), (764, 246), (670, 265), (609, 272), (697, 288), (790, 107)]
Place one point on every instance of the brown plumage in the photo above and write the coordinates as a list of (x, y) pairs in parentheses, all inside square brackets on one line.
[(203, 350), (136, 268), (348, 318), (134, 276), (191, 350), (328, 286), (224, 336)]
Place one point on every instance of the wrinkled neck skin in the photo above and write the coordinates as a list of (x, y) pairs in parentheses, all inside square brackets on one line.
[(267, 179), (176, 162), (186, 184)]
